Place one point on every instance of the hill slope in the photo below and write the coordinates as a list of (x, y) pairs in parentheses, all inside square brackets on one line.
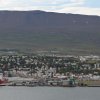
[(41, 30)]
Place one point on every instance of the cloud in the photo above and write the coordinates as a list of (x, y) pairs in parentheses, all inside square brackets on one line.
[(77, 0), (4, 3), (25, 3), (80, 10)]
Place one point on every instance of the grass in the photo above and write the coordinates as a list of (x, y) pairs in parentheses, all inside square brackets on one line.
[(43, 41)]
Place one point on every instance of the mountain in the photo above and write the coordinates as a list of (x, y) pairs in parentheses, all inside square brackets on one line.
[(40, 30)]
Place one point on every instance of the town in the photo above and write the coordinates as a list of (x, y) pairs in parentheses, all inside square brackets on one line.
[(49, 70)]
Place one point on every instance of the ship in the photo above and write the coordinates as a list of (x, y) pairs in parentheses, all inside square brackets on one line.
[(3, 80)]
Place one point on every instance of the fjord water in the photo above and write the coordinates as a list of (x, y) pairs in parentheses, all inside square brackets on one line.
[(49, 93)]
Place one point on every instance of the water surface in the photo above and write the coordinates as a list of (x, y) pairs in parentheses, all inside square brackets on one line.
[(49, 93)]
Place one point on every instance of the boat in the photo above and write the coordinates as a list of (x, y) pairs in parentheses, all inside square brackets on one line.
[(3, 80)]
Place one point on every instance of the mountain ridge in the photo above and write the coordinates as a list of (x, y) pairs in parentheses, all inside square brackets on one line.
[(40, 30)]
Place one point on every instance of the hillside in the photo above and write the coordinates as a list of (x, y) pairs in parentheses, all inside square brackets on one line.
[(39, 30)]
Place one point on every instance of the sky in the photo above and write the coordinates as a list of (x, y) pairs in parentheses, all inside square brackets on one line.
[(87, 7)]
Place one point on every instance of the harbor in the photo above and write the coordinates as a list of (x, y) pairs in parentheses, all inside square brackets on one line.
[(50, 82)]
